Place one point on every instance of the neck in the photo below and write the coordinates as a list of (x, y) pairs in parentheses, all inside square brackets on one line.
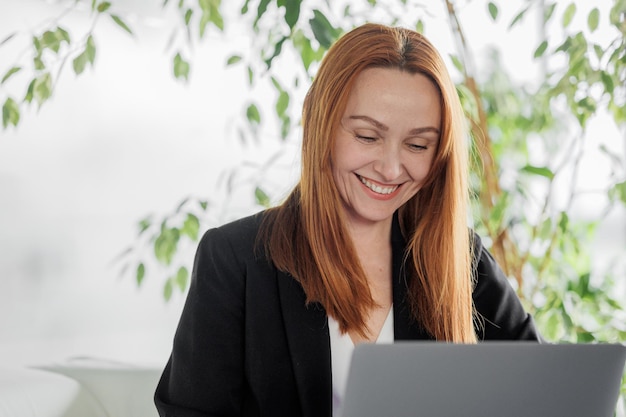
[(373, 235)]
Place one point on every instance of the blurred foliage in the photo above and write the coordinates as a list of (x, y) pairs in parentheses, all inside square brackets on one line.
[(527, 147)]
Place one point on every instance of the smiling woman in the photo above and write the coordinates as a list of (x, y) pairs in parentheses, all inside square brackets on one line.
[(386, 144), (372, 245)]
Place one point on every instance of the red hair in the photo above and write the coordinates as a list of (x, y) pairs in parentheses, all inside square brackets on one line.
[(306, 235)]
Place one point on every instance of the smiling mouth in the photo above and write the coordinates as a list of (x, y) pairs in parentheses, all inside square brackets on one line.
[(384, 190)]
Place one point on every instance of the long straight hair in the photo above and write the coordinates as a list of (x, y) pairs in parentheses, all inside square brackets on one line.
[(306, 235)]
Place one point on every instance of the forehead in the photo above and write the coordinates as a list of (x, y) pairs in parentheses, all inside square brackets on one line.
[(392, 94)]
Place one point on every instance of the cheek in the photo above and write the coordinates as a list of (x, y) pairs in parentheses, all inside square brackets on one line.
[(420, 169)]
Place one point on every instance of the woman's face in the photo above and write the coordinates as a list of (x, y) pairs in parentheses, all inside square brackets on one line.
[(386, 143)]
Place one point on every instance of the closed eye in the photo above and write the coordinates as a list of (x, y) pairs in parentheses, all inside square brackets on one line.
[(366, 138), (415, 147)]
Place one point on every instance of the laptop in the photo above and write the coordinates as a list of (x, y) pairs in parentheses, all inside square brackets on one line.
[(490, 379)]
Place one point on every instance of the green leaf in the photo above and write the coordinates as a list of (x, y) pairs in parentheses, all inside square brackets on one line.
[(545, 230), (541, 49), (30, 92), (250, 75), (304, 48), (593, 19), (233, 59), (38, 63), (62, 35), (37, 45), (554, 327), (541, 171), (188, 15), (9, 73), (87, 56), (253, 115), (140, 274), (518, 18), (261, 197), (203, 205), (204, 21), (182, 278), (121, 23), (618, 191), (599, 50), (80, 62), (10, 113), (166, 245), (91, 49), (323, 31), (419, 27), (493, 10), (616, 16), (103, 7), (285, 126), (181, 67), (261, 11), (168, 289), (568, 14), (49, 40), (282, 103), (276, 84), (217, 19), (499, 210), (205, 5), (292, 12), (608, 82), (191, 226), (42, 89), (277, 48), (245, 8), (144, 224), (563, 221), (457, 63), (548, 12)]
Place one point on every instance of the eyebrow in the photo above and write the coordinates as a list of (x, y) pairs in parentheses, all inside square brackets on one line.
[(383, 127)]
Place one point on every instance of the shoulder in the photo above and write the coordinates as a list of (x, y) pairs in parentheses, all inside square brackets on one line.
[(500, 310), (237, 232), (491, 285), (483, 263), (235, 240)]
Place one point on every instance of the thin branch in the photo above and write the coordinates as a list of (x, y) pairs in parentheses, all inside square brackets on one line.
[(505, 252)]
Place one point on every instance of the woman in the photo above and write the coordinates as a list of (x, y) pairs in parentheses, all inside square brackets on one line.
[(372, 245)]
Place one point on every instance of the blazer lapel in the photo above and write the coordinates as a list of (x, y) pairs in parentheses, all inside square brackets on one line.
[(309, 344)]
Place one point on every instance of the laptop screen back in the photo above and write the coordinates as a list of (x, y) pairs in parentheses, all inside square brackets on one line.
[(490, 379)]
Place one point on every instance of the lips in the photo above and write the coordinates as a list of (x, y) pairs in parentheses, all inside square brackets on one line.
[(378, 189)]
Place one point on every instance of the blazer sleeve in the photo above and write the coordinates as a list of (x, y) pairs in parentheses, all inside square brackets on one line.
[(204, 375), (501, 315)]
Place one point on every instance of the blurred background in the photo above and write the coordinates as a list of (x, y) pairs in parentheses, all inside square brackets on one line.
[(126, 139)]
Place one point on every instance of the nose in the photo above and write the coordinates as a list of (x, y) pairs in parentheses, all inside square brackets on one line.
[(389, 163)]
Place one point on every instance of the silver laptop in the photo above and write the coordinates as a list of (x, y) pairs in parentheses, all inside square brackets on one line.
[(491, 379)]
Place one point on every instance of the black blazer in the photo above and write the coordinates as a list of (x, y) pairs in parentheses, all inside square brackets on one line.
[(247, 345)]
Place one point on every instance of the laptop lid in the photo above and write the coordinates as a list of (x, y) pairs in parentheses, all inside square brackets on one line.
[(490, 379)]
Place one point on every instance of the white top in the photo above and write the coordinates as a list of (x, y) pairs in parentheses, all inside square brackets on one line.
[(341, 348)]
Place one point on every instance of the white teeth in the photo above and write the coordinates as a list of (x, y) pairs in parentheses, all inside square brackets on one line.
[(376, 188)]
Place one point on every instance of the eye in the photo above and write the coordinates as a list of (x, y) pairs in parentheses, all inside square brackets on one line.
[(367, 139), (417, 148)]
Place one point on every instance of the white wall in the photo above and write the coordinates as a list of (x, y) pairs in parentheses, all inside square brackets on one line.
[(121, 141)]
